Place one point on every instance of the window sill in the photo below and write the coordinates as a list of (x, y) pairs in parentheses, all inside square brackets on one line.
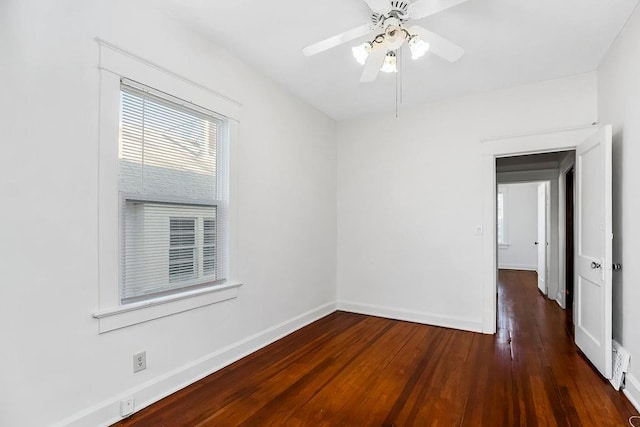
[(132, 314), (503, 245)]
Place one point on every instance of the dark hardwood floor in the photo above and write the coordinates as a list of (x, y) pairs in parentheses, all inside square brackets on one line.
[(354, 370)]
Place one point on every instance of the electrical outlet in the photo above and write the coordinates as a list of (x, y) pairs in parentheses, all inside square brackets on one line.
[(139, 361), (126, 407)]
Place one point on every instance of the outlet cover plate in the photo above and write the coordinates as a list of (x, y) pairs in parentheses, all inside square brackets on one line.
[(139, 361), (126, 407)]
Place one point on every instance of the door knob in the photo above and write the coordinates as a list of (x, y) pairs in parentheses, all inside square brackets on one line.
[(595, 264), (617, 266), (535, 243)]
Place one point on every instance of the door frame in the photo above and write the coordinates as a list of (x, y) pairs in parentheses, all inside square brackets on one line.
[(546, 246), (534, 143), (566, 166), (567, 270)]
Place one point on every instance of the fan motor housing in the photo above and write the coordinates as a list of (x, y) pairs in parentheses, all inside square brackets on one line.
[(399, 10)]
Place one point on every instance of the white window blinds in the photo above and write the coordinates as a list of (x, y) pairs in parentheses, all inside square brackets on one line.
[(172, 182)]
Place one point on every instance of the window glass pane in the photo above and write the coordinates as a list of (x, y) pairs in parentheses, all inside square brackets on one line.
[(164, 250), (165, 148)]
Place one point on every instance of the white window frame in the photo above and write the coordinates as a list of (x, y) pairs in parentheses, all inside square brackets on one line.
[(114, 65), (504, 191)]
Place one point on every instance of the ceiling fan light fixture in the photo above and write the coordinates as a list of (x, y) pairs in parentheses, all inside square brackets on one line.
[(361, 52), (389, 65), (418, 47)]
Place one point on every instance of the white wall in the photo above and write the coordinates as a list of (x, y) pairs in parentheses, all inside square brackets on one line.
[(522, 228), (619, 105), (53, 364), (410, 197)]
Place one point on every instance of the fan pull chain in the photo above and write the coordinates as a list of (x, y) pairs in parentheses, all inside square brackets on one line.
[(399, 76), (398, 72)]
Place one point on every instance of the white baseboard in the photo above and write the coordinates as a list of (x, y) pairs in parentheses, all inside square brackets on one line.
[(412, 316), (560, 299), (517, 267), (632, 390), (108, 412)]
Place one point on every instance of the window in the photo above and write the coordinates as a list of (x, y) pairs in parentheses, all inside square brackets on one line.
[(501, 213), (173, 222), (163, 182)]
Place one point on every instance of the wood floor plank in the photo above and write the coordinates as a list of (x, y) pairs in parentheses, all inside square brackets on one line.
[(353, 370), (347, 394), (296, 378)]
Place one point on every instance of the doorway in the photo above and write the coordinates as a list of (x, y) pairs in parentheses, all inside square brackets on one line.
[(592, 260), (511, 175), (544, 207), (503, 147)]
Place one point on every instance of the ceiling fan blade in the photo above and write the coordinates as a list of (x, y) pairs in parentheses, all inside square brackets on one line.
[(438, 45), (373, 64), (379, 6), (337, 40), (423, 8)]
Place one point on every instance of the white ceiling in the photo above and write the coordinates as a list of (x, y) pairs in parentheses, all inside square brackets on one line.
[(507, 43)]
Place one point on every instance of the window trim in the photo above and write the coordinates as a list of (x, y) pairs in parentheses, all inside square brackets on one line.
[(114, 65), (143, 311)]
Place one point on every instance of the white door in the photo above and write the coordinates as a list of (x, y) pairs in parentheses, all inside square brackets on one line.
[(542, 237), (593, 260)]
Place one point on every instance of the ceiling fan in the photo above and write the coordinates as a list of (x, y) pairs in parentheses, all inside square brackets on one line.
[(390, 32)]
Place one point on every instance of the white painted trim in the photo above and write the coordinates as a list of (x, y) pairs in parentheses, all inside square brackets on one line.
[(489, 322), (567, 162), (132, 314), (517, 267), (108, 412), (560, 299), (411, 316), (537, 134), (632, 390), (565, 139), (565, 165), (127, 64)]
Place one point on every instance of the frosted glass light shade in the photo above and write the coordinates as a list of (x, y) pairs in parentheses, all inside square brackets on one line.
[(361, 52), (389, 65), (418, 47)]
